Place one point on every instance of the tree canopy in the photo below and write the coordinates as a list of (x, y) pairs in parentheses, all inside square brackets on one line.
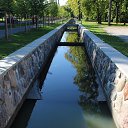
[(100, 10)]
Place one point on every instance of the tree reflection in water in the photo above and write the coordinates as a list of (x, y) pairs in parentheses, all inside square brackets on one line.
[(72, 37), (85, 80)]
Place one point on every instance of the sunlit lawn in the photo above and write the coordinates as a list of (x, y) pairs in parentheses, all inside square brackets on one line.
[(114, 41), (19, 40)]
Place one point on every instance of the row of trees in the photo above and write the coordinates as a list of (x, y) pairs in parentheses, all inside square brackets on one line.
[(30, 9), (100, 10)]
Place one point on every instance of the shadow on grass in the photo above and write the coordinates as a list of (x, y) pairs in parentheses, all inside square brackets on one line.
[(114, 41), (19, 40)]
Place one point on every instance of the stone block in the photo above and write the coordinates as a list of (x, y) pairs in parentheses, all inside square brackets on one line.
[(112, 68), (118, 102), (120, 83), (18, 70), (126, 91)]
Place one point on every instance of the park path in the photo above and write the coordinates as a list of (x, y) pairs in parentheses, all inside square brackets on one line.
[(22, 28), (14, 30), (119, 31)]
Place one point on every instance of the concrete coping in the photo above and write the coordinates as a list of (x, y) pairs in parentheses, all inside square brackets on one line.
[(120, 60), (17, 56)]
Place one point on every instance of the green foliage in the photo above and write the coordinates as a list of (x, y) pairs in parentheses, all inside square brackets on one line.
[(53, 8), (63, 12), (21, 8), (73, 4), (19, 40), (72, 37), (6, 5), (36, 6), (97, 10)]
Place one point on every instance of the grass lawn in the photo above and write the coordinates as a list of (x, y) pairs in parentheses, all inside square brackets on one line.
[(114, 41), (19, 40)]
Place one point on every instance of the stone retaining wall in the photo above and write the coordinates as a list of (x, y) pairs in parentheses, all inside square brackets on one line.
[(112, 68), (18, 70)]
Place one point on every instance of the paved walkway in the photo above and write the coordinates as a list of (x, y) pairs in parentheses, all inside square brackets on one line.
[(121, 32), (14, 30)]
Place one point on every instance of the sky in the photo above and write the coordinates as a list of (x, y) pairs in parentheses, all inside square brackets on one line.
[(63, 2)]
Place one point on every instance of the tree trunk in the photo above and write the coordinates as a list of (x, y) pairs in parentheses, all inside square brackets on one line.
[(117, 9), (125, 18), (20, 21), (10, 23), (29, 23), (99, 18), (109, 12), (26, 23), (6, 26), (48, 20), (36, 22), (43, 19), (98, 15), (79, 10)]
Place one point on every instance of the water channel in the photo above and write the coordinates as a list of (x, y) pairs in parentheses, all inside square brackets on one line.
[(69, 94)]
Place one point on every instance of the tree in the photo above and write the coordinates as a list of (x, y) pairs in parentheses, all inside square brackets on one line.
[(74, 6), (109, 13), (63, 12), (95, 9), (125, 11), (6, 6), (36, 7), (53, 9), (22, 9), (117, 9)]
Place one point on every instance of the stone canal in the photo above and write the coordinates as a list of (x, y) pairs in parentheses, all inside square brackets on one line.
[(69, 93)]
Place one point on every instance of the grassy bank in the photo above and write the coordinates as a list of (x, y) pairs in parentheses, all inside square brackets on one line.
[(19, 40), (114, 41)]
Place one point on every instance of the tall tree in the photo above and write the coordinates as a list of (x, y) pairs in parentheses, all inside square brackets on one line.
[(74, 5), (36, 7), (109, 12), (53, 9), (125, 11), (6, 6), (95, 9), (22, 9), (63, 12)]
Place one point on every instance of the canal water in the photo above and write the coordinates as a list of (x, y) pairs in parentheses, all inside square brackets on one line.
[(69, 95)]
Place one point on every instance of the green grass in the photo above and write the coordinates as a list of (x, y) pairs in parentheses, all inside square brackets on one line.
[(19, 40), (114, 41)]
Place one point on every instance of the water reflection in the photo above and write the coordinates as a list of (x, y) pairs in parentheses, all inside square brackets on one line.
[(84, 78), (69, 94), (95, 113), (21, 120), (70, 37)]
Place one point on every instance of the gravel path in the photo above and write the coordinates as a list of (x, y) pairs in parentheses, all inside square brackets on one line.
[(121, 32)]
